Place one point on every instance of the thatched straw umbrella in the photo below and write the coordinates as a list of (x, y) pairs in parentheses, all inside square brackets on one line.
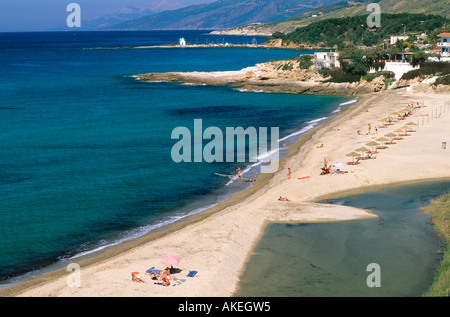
[(391, 135), (372, 144), (411, 124), (362, 150), (382, 140), (353, 155)]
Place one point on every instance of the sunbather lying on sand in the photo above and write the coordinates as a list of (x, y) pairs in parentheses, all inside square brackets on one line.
[(283, 199)]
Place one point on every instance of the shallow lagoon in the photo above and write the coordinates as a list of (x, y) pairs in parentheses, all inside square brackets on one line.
[(331, 259)]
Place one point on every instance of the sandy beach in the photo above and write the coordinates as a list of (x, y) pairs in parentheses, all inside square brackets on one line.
[(218, 242)]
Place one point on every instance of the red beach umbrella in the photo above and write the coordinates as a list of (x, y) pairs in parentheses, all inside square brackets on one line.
[(170, 259)]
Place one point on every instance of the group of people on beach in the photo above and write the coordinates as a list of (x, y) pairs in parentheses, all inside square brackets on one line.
[(369, 129), (326, 169), (164, 276)]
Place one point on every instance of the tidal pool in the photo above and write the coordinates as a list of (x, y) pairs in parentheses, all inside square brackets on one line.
[(337, 258)]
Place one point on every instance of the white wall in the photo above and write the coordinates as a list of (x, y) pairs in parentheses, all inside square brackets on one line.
[(399, 68)]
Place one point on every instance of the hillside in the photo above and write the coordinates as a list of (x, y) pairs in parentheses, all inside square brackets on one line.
[(338, 31), (222, 14), (343, 9)]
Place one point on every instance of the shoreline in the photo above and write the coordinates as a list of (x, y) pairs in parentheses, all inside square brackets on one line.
[(89, 256), (254, 206), (283, 76), (161, 232)]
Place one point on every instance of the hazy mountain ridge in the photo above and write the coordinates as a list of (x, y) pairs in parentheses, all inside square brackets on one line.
[(344, 9), (222, 14), (134, 12)]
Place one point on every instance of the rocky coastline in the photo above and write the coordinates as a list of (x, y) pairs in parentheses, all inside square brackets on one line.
[(274, 76)]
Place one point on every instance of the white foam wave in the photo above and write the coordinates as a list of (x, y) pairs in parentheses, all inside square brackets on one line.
[(311, 125), (348, 102), (136, 233), (253, 90)]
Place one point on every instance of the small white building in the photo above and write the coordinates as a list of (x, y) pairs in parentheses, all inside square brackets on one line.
[(444, 44), (182, 41), (326, 59), (394, 39)]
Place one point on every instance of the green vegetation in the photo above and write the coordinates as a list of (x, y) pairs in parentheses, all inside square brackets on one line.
[(427, 69), (338, 31), (440, 217), (325, 71), (306, 61), (339, 76), (351, 9), (362, 48), (372, 76), (443, 80)]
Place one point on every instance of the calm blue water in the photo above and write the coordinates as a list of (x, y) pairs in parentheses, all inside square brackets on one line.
[(85, 148)]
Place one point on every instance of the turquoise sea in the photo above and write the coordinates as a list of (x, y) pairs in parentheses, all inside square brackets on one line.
[(85, 148)]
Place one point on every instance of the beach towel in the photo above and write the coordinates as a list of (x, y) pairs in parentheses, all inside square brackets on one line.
[(179, 279), (161, 284), (192, 273), (156, 271)]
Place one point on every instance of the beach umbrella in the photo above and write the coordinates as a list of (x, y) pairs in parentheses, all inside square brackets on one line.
[(405, 127), (389, 120), (382, 140), (362, 150), (384, 121), (170, 259), (411, 124), (353, 155), (398, 132), (390, 135), (372, 144)]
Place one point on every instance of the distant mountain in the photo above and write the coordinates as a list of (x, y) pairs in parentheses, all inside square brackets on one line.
[(131, 13), (345, 9), (222, 14)]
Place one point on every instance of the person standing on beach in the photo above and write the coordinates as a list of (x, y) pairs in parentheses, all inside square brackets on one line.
[(289, 173), (239, 174), (369, 129), (165, 277)]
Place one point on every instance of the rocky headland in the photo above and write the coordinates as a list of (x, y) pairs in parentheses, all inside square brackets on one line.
[(274, 76)]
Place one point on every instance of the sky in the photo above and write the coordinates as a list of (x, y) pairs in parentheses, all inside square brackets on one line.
[(43, 15)]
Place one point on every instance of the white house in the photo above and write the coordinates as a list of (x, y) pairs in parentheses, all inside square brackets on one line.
[(444, 44), (326, 59), (394, 39), (182, 41)]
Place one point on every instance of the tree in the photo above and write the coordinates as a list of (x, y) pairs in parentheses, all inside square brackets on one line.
[(356, 65), (418, 58), (306, 61)]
